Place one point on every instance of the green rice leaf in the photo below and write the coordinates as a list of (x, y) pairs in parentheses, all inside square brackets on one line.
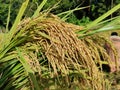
[(94, 23), (39, 8), (8, 36), (70, 11), (17, 20)]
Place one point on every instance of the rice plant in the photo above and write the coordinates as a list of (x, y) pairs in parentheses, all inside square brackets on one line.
[(44, 52)]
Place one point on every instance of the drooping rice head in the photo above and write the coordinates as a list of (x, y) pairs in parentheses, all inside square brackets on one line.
[(56, 56)]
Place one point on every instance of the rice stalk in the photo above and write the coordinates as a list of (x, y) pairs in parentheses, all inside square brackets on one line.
[(56, 56), (68, 53)]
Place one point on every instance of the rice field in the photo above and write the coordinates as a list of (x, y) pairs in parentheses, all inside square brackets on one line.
[(46, 53)]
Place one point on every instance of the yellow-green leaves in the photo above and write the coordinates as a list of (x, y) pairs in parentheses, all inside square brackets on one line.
[(5, 43)]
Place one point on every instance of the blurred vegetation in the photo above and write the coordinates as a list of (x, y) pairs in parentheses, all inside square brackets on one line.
[(4, 6), (96, 9)]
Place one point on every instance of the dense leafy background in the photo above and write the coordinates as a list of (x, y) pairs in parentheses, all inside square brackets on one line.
[(97, 8)]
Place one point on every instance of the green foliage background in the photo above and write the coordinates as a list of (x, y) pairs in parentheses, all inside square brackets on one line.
[(97, 8), (4, 5)]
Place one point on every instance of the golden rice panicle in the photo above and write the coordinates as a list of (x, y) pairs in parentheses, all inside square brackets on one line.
[(65, 53)]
